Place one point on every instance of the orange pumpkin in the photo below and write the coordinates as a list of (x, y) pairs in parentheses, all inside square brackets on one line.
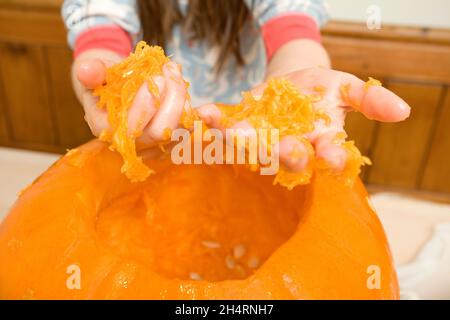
[(190, 231)]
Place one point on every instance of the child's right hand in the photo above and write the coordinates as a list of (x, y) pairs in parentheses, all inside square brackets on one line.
[(88, 72), (147, 114)]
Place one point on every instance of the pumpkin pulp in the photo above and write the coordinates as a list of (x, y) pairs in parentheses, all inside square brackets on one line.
[(234, 230), (282, 107)]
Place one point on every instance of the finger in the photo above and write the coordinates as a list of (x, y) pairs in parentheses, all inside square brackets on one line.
[(144, 107), (244, 130), (375, 102), (293, 154), (91, 73), (210, 114), (292, 151), (172, 106), (96, 118), (329, 148)]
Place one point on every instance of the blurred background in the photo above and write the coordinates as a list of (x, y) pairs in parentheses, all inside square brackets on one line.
[(409, 52), (431, 14)]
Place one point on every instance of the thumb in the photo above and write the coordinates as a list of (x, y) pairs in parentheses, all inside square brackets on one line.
[(91, 73)]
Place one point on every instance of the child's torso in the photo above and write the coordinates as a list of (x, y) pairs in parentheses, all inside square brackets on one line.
[(198, 61)]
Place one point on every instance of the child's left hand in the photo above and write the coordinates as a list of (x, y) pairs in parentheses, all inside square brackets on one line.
[(341, 92)]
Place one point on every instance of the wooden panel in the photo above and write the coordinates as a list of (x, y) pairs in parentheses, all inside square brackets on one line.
[(356, 30), (72, 129), (25, 94), (4, 137), (31, 4), (3, 130), (37, 27), (400, 147), (416, 61), (52, 148), (437, 168), (362, 131)]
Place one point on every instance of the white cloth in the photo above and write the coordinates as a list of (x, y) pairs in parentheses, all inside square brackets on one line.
[(418, 231), (428, 276)]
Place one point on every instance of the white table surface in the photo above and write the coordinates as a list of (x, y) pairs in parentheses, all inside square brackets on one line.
[(18, 169)]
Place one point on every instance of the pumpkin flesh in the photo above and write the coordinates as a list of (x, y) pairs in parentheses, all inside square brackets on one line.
[(141, 240), (192, 231)]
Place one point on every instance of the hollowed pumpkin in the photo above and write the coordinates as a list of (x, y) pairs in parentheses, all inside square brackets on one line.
[(190, 231)]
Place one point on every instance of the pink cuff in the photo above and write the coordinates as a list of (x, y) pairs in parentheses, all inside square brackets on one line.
[(109, 37), (282, 29)]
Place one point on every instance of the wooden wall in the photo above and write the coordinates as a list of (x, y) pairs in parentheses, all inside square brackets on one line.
[(38, 109), (415, 64)]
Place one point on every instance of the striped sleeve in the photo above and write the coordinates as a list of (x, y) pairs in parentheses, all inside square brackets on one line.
[(284, 20), (106, 24)]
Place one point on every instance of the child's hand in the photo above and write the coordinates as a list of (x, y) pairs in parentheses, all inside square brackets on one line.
[(341, 92), (148, 115), (88, 72)]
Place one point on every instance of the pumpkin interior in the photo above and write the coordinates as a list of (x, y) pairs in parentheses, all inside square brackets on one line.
[(148, 240), (199, 222)]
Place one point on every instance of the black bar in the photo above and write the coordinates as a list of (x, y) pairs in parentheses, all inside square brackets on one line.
[(226, 309)]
